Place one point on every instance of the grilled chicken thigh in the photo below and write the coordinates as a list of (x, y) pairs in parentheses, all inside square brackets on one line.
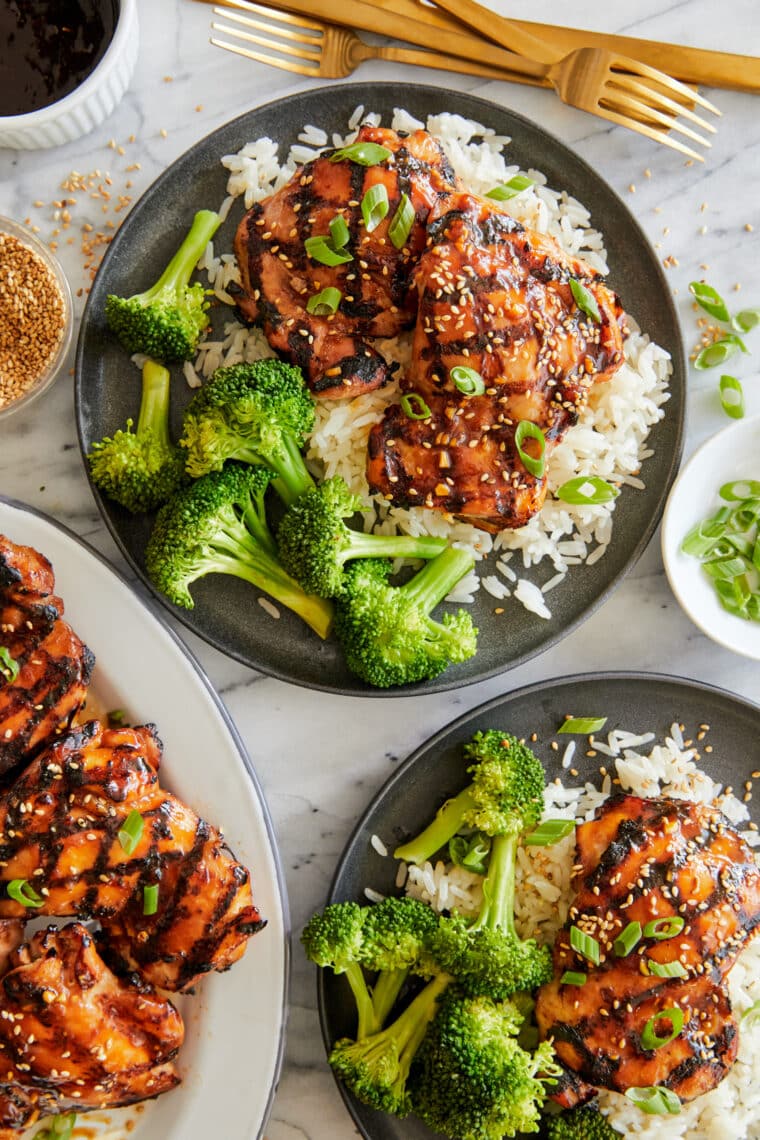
[(278, 276), (640, 860), (494, 297), (54, 666), (59, 825), (73, 1037)]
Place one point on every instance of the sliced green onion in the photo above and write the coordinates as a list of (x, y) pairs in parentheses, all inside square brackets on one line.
[(725, 569), (583, 724), (666, 969), (627, 940), (731, 397), (584, 945), (339, 232), (364, 153), (655, 1100), (586, 489), (585, 300), (419, 412), (649, 1038), (375, 206), (710, 300), (528, 430), (720, 351), (471, 851), (9, 666), (402, 223), (150, 899), (506, 190), (21, 891), (739, 490), (59, 1128), (573, 978), (325, 302), (321, 249), (467, 381), (751, 1015), (117, 718), (130, 832), (549, 832), (746, 320)]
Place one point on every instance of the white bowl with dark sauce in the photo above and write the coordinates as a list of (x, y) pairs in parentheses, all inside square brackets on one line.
[(64, 66)]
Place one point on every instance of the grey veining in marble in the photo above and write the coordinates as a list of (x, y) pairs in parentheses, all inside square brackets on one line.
[(320, 758)]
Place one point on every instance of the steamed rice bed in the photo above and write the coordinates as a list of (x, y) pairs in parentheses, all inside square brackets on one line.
[(609, 440)]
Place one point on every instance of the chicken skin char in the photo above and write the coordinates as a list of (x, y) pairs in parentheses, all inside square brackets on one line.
[(54, 665), (377, 298), (73, 1037), (59, 825), (638, 860), (494, 297)]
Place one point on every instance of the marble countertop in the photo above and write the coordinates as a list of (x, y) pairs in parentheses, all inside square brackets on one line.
[(321, 757)]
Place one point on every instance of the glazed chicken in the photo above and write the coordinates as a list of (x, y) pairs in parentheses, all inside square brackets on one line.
[(59, 831), (641, 860), (278, 276), (54, 666), (73, 1037), (494, 298)]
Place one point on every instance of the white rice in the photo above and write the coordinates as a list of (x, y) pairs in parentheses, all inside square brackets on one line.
[(609, 440), (543, 897)]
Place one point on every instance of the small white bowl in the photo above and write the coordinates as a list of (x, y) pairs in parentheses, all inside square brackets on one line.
[(89, 104), (732, 454)]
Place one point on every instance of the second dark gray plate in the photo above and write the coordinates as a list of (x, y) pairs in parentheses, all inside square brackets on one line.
[(635, 702), (107, 385)]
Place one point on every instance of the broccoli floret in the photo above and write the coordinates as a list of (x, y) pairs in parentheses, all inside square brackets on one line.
[(471, 1080), (504, 799), (315, 543), (259, 413), (397, 935), (583, 1123), (141, 469), (217, 525), (334, 939), (376, 1069), (168, 320), (387, 634)]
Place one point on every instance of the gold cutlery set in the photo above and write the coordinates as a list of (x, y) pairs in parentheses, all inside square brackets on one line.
[(615, 77)]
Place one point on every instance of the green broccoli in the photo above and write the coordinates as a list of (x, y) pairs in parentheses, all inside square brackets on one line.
[(141, 469), (217, 525), (259, 413), (397, 934), (376, 1068), (334, 939), (387, 634), (168, 320), (471, 1079), (504, 799), (315, 543), (582, 1123)]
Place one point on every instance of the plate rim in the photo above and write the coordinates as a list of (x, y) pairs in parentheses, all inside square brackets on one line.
[(240, 748), (438, 684), (525, 691)]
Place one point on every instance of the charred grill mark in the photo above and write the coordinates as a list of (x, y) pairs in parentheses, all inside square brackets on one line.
[(490, 230)]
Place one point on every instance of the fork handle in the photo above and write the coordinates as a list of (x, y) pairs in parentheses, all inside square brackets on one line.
[(442, 62), (536, 52)]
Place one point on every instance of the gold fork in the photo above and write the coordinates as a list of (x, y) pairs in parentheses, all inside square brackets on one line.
[(605, 83), (325, 51)]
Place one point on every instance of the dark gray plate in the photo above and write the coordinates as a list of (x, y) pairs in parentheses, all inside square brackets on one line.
[(637, 702), (107, 387)]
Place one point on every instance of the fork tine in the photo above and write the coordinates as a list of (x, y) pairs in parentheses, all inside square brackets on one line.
[(264, 41), (269, 14), (626, 102), (260, 57), (263, 26), (641, 69), (650, 132), (632, 84)]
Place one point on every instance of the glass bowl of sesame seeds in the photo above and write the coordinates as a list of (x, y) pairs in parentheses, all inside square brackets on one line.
[(36, 317)]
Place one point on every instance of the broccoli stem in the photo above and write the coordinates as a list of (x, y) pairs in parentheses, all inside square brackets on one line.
[(431, 584), (180, 269), (368, 1020), (154, 406), (385, 992), (362, 545), (293, 478), (447, 822), (410, 1027), (498, 909)]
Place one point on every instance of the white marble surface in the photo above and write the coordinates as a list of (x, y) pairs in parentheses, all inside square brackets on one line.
[(321, 757)]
